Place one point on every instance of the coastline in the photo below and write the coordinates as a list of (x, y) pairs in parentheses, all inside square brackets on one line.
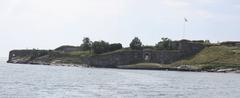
[(226, 70), (192, 58)]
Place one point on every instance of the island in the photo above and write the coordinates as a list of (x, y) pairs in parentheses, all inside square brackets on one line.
[(179, 55)]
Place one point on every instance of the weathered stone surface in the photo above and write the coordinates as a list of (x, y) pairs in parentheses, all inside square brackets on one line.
[(24, 56), (185, 49)]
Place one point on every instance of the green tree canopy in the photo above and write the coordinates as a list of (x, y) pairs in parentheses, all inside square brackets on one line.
[(86, 45), (99, 47), (136, 44), (115, 46), (165, 44)]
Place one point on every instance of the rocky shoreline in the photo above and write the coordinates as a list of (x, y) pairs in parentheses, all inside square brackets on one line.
[(189, 57), (182, 68), (227, 70)]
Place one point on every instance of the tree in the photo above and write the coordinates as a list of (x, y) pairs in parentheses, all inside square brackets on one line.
[(115, 46), (165, 44), (159, 46), (100, 47), (136, 44), (86, 45)]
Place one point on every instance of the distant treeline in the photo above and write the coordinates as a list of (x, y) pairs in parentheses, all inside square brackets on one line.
[(101, 46)]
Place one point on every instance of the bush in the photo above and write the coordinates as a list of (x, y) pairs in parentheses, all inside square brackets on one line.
[(136, 44), (148, 47), (99, 47), (86, 45), (166, 44), (115, 46)]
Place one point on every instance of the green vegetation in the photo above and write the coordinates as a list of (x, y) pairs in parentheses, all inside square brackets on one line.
[(148, 47), (86, 45), (143, 66), (62, 48), (99, 47), (166, 44), (115, 46), (214, 57), (210, 58), (136, 44), (117, 51), (78, 53)]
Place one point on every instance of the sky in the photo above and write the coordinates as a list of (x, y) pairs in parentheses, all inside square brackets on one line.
[(47, 24)]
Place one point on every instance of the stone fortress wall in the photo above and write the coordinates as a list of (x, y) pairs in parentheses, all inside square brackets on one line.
[(185, 49)]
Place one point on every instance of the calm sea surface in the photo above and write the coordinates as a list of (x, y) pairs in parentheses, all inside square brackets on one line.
[(39, 81)]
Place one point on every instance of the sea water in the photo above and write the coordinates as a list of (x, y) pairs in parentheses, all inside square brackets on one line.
[(41, 81)]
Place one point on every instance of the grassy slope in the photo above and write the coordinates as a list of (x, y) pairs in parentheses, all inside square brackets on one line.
[(209, 58), (78, 53), (116, 51), (71, 57), (142, 65), (88, 53), (214, 57)]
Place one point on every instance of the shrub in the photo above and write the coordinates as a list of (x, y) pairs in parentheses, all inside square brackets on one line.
[(115, 46), (86, 45), (166, 44), (136, 44), (148, 47), (99, 47)]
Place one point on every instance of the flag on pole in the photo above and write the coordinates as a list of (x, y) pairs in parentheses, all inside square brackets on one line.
[(185, 19)]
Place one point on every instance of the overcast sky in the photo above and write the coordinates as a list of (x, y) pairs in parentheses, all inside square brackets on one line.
[(47, 24)]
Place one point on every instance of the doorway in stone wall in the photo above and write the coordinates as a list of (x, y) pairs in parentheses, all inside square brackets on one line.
[(147, 56)]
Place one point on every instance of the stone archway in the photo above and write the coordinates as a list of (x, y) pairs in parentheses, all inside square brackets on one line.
[(147, 56)]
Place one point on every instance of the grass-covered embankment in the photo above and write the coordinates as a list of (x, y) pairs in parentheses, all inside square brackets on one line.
[(142, 66), (78, 53), (214, 57)]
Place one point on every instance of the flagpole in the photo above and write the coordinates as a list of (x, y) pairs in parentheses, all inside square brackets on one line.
[(184, 28)]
